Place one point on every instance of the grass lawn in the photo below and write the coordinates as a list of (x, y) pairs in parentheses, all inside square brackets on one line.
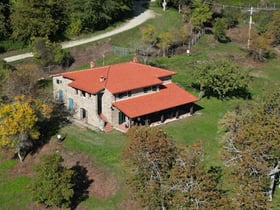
[(14, 193), (105, 148)]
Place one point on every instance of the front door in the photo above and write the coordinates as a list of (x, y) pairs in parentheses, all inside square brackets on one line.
[(99, 103)]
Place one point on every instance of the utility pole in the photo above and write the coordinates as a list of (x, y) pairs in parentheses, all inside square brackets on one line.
[(250, 27), (164, 5)]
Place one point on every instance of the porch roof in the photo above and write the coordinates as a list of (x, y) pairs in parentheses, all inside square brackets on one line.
[(168, 97)]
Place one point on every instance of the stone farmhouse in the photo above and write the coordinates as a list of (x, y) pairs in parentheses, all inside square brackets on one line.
[(122, 95)]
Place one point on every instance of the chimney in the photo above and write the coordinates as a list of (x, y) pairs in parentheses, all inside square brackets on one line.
[(134, 60), (92, 64), (102, 79)]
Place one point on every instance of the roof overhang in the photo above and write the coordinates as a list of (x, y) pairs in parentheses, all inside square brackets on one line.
[(169, 97)]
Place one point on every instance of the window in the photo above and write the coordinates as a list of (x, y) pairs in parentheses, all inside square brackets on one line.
[(76, 91), (58, 81), (129, 93), (147, 89), (70, 104), (121, 95), (124, 94), (83, 93), (154, 88)]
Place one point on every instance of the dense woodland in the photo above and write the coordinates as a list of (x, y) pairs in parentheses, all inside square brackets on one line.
[(23, 20), (161, 173)]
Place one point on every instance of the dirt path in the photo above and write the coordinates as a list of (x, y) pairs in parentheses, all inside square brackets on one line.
[(140, 17)]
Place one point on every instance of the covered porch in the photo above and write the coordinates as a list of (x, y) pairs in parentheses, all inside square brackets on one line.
[(171, 102), (157, 118)]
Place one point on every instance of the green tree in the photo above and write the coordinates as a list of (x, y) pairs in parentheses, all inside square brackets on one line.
[(220, 26), (273, 29), (37, 18), (260, 48), (52, 184), (47, 53), (4, 18), (20, 123), (5, 70), (200, 14), (148, 34), (221, 78), (165, 40), (185, 33), (251, 151), (231, 15), (89, 16)]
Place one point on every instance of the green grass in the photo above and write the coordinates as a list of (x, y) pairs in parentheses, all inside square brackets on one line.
[(203, 126), (113, 202), (14, 192), (105, 148), (4, 168)]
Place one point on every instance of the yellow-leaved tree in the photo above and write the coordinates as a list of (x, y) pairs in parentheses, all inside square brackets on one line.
[(19, 123)]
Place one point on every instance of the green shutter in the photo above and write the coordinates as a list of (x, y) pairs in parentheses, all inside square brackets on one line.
[(120, 118), (70, 104)]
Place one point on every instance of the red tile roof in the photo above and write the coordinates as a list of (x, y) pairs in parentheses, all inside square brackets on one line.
[(168, 97), (117, 77)]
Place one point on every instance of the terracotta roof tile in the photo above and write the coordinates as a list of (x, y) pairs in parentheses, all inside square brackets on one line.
[(168, 97), (117, 77)]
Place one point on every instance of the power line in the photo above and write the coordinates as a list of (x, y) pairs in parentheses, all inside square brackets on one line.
[(250, 27), (256, 7), (251, 9)]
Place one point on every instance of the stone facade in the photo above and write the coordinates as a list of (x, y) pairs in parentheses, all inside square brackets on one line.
[(84, 106)]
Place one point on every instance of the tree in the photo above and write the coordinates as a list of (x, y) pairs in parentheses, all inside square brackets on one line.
[(165, 40), (4, 18), (231, 15), (273, 30), (221, 78), (20, 123), (37, 18), (260, 48), (200, 14), (192, 186), (220, 26), (151, 154), (47, 53), (23, 81), (251, 150), (89, 16), (163, 176), (148, 34), (5, 70), (185, 33), (52, 184)]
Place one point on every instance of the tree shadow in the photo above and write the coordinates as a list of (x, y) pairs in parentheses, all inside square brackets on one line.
[(59, 118), (81, 183)]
